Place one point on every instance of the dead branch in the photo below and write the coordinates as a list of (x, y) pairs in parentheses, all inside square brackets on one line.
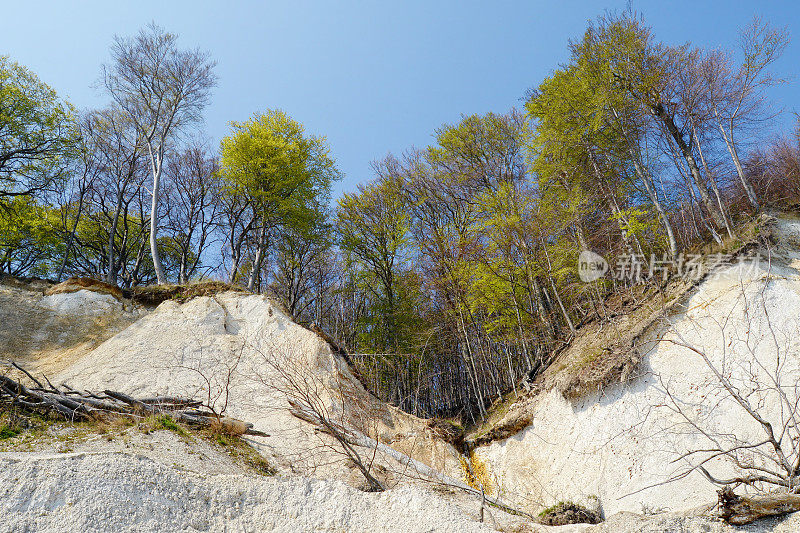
[(75, 405), (741, 510)]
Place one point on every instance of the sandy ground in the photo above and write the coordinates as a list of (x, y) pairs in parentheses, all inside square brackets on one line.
[(162, 482), (130, 481)]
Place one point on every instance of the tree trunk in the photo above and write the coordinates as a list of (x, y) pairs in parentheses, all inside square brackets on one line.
[(622, 221), (156, 162), (694, 170), (741, 510), (71, 237), (714, 186), (182, 277), (570, 324), (235, 255), (111, 275), (649, 186), (651, 192), (236, 248), (748, 189), (260, 250)]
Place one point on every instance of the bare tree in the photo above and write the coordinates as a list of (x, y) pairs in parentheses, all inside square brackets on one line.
[(752, 377), (299, 270), (326, 405), (86, 171), (737, 96), (192, 206), (163, 89), (118, 149)]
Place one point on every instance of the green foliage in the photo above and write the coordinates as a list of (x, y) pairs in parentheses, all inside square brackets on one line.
[(38, 136), (29, 241), (284, 173), (8, 431), (373, 224), (640, 223), (373, 227), (168, 423), (480, 148)]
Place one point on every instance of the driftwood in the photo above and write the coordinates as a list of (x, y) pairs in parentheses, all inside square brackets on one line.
[(740, 510), (76, 405)]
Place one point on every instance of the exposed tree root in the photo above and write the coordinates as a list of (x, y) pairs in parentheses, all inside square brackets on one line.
[(741, 510)]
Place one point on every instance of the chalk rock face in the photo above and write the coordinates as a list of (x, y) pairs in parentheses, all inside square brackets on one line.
[(623, 444), (48, 333), (133, 493), (244, 355)]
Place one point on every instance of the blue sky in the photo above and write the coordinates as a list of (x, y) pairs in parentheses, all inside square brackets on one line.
[(373, 77)]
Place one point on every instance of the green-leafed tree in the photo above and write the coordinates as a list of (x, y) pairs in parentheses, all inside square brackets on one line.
[(271, 165), (29, 241), (38, 136), (373, 225)]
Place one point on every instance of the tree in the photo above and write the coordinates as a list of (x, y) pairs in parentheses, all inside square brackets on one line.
[(191, 207), (373, 225), (29, 243), (738, 96), (37, 132), (162, 89), (116, 144), (86, 170), (271, 166), (738, 423), (618, 57), (301, 269)]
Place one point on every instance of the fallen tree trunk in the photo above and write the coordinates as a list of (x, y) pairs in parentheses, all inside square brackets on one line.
[(740, 510), (76, 405), (419, 470)]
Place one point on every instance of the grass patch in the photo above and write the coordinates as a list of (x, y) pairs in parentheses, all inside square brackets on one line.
[(8, 431), (449, 430), (154, 295), (167, 422), (77, 284), (159, 422), (241, 452), (27, 431), (32, 431), (564, 513)]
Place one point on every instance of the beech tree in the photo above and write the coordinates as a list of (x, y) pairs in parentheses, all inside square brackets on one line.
[(163, 89), (737, 95), (301, 268), (614, 105), (38, 133), (192, 210), (74, 197), (278, 173), (452, 277), (374, 225)]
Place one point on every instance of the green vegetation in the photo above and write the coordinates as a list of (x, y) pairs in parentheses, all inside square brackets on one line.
[(37, 133), (8, 431), (242, 452), (167, 422), (284, 175), (564, 513)]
